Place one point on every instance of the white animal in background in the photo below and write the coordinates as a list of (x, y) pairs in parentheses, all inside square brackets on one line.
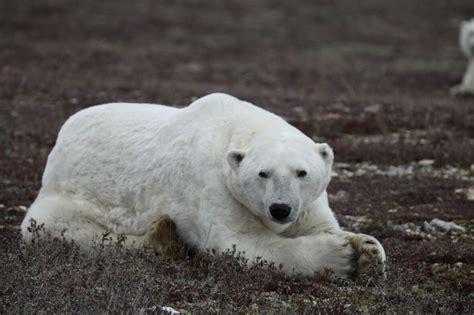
[(226, 172), (466, 41)]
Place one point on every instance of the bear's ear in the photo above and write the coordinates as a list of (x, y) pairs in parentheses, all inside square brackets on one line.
[(325, 151), (234, 157)]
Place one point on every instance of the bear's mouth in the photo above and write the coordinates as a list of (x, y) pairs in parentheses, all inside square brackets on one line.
[(285, 221), (282, 221)]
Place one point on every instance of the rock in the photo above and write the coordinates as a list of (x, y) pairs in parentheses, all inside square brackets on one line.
[(360, 172), (437, 268), (340, 195), (301, 112), (411, 229), (355, 223), (341, 107), (447, 226), (468, 192), (458, 264), (398, 227), (428, 227), (345, 166), (426, 162), (169, 310), (397, 171), (375, 108), (22, 208), (423, 167), (159, 309), (194, 67)]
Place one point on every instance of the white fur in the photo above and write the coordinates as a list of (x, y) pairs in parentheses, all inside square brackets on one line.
[(466, 42), (118, 167)]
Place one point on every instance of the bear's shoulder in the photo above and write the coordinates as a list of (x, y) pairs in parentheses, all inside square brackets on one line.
[(221, 102), (221, 105)]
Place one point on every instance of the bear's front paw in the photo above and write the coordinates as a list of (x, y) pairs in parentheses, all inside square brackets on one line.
[(369, 257)]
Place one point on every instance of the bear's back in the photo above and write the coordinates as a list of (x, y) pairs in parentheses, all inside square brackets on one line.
[(220, 108)]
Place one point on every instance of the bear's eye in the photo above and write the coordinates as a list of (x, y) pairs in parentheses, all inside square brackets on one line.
[(301, 173), (263, 174)]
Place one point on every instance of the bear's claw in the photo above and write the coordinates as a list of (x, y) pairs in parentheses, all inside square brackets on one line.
[(369, 257)]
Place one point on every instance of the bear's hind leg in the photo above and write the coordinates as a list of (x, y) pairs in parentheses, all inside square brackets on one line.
[(58, 216), (164, 239)]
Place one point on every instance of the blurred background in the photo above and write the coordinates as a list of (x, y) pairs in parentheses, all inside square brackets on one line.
[(270, 52)]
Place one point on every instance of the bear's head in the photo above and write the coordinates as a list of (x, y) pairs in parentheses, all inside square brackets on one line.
[(466, 38), (278, 179)]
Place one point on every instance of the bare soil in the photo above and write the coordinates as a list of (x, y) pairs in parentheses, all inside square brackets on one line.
[(371, 78)]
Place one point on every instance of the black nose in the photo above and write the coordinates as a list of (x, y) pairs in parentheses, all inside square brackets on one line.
[(280, 211)]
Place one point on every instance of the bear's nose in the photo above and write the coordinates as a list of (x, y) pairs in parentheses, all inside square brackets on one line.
[(280, 211)]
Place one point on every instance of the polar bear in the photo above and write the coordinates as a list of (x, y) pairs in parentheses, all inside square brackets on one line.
[(466, 41), (227, 173)]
